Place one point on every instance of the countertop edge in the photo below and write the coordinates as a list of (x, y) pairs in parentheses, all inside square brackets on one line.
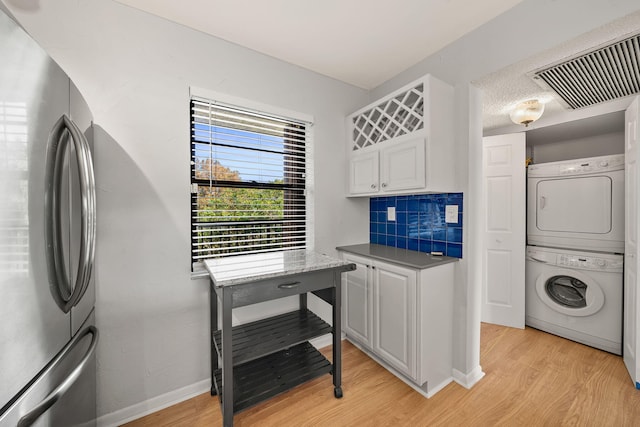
[(318, 262), (368, 250)]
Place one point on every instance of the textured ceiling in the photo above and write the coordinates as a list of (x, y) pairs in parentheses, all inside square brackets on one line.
[(511, 85)]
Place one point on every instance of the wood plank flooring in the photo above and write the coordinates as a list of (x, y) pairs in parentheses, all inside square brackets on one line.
[(532, 379)]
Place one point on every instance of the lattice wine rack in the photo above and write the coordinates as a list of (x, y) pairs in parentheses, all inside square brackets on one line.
[(396, 116)]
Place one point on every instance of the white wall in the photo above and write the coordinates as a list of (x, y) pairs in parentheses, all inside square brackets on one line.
[(593, 146), (135, 71)]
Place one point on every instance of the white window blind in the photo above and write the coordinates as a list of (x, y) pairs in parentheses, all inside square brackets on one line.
[(248, 178)]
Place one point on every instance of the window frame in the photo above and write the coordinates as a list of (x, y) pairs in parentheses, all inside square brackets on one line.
[(260, 109)]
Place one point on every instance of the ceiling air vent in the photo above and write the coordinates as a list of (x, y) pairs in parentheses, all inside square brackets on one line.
[(608, 73)]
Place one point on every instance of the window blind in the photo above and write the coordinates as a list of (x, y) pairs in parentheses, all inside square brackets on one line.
[(248, 176)]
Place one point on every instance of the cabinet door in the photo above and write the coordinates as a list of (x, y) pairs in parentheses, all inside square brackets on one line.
[(363, 173), (394, 305), (403, 166), (357, 292)]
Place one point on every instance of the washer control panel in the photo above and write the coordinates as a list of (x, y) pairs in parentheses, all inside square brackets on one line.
[(577, 167), (589, 263)]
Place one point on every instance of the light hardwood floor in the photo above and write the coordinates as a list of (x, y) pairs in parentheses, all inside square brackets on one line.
[(532, 379)]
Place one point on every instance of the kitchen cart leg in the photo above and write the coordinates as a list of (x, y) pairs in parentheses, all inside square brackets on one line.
[(213, 308), (303, 301), (337, 330), (227, 362)]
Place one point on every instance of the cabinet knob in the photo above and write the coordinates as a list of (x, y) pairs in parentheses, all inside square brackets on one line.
[(384, 184), (373, 186)]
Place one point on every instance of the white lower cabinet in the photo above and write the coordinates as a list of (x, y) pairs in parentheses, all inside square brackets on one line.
[(357, 300), (403, 318), (394, 316)]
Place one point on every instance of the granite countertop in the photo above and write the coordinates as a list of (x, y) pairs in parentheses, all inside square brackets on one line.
[(405, 257), (229, 271)]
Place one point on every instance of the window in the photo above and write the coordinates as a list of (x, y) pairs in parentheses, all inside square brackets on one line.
[(248, 179)]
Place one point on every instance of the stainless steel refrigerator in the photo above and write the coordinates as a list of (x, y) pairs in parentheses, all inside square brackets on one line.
[(47, 241)]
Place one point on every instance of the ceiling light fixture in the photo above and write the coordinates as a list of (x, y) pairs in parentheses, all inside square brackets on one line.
[(527, 112)]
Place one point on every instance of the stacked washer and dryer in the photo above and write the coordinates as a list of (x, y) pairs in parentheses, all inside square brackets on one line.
[(575, 242)]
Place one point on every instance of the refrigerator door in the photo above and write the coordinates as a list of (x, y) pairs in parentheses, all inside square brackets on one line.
[(81, 116), (34, 94), (64, 394)]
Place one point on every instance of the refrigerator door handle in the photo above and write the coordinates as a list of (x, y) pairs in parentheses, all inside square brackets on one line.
[(50, 400), (63, 293)]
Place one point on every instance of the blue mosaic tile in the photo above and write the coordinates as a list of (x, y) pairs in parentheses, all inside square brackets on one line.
[(425, 246), (454, 235), (440, 234), (420, 223), (454, 250), (439, 247), (401, 218), (391, 228), (401, 242)]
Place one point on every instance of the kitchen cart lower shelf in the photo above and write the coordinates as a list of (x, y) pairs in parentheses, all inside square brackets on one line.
[(264, 378), (252, 340)]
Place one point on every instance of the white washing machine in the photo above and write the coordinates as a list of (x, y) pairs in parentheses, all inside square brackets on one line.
[(576, 295)]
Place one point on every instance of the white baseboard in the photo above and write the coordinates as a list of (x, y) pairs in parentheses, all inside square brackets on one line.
[(436, 388), (154, 404), (468, 380)]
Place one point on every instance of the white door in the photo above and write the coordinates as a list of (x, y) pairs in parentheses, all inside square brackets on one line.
[(394, 302), (631, 297), (403, 166), (363, 173), (576, 205), (357, 300), (503, 247)]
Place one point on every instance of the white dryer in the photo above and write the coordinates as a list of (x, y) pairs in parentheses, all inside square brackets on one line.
[(577, 204), (575, 295)]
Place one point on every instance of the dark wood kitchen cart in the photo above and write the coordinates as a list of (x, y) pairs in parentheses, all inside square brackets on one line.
[(255, 361)]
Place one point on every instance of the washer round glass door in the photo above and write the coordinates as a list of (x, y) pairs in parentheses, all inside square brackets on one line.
[(567, 291), (570, 292)]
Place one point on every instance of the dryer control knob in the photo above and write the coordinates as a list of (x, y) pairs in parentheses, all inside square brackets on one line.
[(601, 263), (604, 164)]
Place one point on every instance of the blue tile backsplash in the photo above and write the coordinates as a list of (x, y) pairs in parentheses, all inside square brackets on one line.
[(420, 223)]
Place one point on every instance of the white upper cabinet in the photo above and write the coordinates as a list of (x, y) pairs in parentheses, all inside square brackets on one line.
[(404, 142), (363, 173), (402, 165)]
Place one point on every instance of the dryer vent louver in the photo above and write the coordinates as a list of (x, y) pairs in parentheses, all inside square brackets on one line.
[(605, 74)]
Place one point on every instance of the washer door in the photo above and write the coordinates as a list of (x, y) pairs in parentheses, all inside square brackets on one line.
[(570, 292)]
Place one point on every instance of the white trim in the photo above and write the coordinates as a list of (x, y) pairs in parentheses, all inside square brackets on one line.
[(309, 192), (154, 404), (249, 104), (468, 380)]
